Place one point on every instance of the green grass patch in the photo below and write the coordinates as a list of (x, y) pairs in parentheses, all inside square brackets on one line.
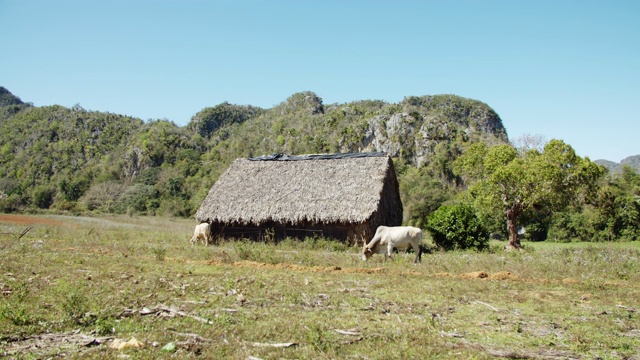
[(121, 278)]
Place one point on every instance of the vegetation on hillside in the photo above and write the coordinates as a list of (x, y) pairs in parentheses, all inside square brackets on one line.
[(77, 160), (10, 104)]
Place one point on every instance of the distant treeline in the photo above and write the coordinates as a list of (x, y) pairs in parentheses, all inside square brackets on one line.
[(75, 160)]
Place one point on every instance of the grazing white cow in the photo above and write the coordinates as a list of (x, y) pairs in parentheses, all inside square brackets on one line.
[(202, 231), (399, 237)]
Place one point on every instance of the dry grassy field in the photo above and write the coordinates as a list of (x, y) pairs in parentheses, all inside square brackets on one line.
[(126, 287)]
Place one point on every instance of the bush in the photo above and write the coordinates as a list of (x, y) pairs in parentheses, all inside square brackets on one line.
[(627, 219), (102, 195), (457, 227), (10, 203), (14, 308), (72, 190), (174, 207), (571, 227), (43, 197), (137, 198), (536, 222), (536, 231), (70, 206)]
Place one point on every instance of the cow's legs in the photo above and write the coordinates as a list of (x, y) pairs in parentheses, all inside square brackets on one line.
[(389, 251), (416, 248)]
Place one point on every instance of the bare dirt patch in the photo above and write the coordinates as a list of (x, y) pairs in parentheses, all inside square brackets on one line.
[(295, 267), (27, 220), (482, 275), (504, 275)]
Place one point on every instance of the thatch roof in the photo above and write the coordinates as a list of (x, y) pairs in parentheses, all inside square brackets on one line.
[(317, 190)]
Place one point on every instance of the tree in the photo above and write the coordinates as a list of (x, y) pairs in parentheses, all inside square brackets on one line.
[(457, 227), (43, 196), (502, 179), (210, 119), (421, 194), (529, 142), (618, 207)]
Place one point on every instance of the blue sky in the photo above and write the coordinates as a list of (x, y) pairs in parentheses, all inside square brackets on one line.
[(560, 69)]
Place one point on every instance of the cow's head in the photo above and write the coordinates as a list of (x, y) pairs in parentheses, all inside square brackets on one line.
[(366, 253)]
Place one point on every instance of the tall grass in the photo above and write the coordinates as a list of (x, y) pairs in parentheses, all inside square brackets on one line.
[(98, 275)]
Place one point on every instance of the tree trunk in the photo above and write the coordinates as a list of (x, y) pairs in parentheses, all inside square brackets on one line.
[(512, 215)]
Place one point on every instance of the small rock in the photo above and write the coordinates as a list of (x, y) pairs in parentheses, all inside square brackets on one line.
[(170, 347)]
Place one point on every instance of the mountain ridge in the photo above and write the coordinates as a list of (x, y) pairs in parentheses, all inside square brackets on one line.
[(73, 158), (632, 161)]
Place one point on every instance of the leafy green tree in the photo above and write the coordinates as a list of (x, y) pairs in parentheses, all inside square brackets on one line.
[(509, 182), (457, 227), (43, 196), (537, 221), (137, 198), (210, 119), (10, 203), (629, 181), (571, 227), (618, 207), (421, 194), (72, 190)]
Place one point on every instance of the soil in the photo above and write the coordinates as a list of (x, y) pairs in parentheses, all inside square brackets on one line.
[(27, 220)]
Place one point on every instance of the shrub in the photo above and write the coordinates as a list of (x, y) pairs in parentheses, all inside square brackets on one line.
[(570, 227), (137, 198), (74, 303), (246, 250), (159, 253), (174, 207), (70, 206), (72, 190), (15, 309), (536, 231), (10, 203), (43, 197), (102, 195), (457, 227), (17, 313)]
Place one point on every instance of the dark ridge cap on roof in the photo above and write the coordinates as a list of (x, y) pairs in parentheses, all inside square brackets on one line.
[(284, 157)]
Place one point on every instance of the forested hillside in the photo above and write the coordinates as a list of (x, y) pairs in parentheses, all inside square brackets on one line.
[(71, 159), (10, 104), (76, 159)]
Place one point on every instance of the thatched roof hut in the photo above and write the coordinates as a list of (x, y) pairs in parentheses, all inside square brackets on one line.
[(344, 196)]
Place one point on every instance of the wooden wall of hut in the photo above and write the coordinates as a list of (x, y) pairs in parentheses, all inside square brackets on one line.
[(353, 234)]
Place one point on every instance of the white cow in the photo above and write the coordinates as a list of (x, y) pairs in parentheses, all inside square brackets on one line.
[(399, 237), (202, 231)]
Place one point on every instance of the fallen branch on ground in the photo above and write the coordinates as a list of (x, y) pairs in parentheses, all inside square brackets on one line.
[(163, 310), (487, 305), (352, 332), (275, 345), (629, 309), (192, 336), (453, 334)]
